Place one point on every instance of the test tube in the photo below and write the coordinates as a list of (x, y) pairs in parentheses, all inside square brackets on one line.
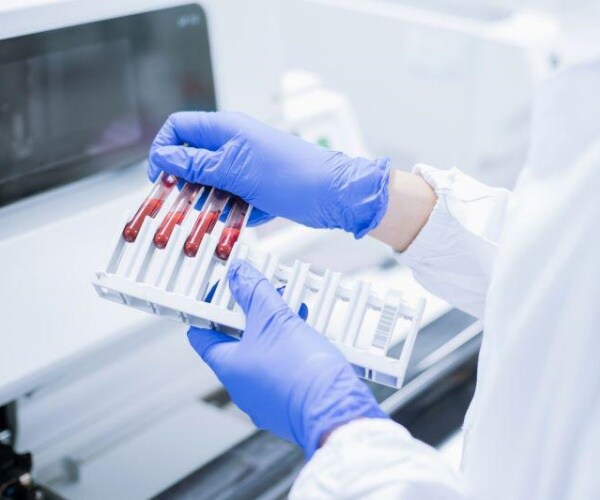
[(208, 217), (150, 206), (183, 202), (233, 226)]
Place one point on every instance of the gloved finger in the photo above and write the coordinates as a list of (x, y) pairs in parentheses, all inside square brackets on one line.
[(200, 166), (199, 129), (258, 217), (202, 200), (203, 129), (303, 311), (253, 292), (225, 212), (211, 292), (212, 346)]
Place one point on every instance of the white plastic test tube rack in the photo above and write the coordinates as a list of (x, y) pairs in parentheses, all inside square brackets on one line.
[(363, 325)]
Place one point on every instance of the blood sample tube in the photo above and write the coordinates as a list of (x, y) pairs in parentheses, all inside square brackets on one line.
[(233, 226), (208, 217), (150, 206), (185, 199)]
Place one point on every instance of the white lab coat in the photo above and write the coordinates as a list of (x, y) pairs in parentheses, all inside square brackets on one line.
[(529, 265)]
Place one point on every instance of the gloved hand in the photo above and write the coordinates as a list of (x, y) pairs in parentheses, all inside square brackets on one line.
[(285, 375), (281, 175)]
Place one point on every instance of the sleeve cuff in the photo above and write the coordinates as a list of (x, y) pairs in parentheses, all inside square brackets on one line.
[(376, 458), (362, 430), (437, 226)]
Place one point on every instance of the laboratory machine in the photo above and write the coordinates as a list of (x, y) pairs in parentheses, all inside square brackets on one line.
[(98, 400)]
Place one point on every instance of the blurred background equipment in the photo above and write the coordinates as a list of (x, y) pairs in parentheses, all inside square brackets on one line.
[(99, 401), (445, 82)]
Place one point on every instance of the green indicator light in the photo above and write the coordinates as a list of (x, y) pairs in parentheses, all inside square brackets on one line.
[(323, 141)]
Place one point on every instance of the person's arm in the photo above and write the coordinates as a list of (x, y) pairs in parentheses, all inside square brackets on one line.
[(446, 226), (410, 202), (375, 459)]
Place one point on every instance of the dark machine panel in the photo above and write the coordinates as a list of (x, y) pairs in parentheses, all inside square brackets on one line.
[(77, 100)]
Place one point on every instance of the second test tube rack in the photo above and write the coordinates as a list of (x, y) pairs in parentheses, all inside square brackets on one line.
[(163, 270)]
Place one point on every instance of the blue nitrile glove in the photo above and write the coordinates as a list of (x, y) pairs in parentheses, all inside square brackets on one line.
[(287, 377), (278, 173)]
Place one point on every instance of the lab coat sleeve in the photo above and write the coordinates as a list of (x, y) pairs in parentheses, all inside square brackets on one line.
[(453, 255), (377, 459)]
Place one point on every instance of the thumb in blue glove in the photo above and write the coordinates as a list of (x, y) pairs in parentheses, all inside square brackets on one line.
[(286, 376)]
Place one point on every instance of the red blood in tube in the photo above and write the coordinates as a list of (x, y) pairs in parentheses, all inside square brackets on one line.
[(161, 238), (148, 209), (228, 238), (204, 224)]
